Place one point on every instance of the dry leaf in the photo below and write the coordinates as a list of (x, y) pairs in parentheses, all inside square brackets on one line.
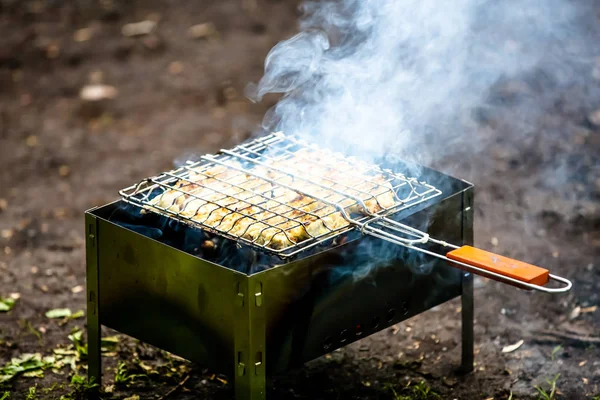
[(575, 313), (82, 35), (77, 289), (98, 92), (58, 313), (138, 28), (513, 347), (450, 382), (31, 141), (589, 309), (203, 31), (176, 67), (64, 170)]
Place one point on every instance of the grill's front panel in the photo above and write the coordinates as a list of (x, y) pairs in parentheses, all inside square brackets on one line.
[(331, 299), (166, 297)]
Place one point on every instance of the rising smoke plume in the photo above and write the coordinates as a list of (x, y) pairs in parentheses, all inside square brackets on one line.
[(415, 79), (373, 76)]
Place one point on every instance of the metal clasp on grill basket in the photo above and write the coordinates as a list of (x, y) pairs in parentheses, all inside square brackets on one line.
[(284, 195), (384, 226)]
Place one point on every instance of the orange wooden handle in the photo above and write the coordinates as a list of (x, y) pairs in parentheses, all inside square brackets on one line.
[(501, 265)]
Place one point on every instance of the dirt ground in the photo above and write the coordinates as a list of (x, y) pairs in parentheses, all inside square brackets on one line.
[(537, 199)]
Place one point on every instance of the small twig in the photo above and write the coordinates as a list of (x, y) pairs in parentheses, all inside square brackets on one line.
[(554, 336), (179, 385)]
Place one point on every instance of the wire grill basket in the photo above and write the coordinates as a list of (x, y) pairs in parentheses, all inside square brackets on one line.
[(280, 194)]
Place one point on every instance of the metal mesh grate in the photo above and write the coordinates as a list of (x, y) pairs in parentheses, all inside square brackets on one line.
[(278, 193)]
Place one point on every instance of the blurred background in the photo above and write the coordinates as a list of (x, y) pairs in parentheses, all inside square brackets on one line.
[(98, 94)]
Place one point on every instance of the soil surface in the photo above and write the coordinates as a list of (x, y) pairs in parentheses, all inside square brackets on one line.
[(538, 192)]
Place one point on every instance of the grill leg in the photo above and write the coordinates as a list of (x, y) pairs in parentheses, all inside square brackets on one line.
[(249, 341), (93, 317), (94, 357), (467, 287), (467, 323), (250, 388)]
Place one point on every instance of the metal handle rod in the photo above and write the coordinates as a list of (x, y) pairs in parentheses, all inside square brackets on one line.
[(366, 228), (420, 237)]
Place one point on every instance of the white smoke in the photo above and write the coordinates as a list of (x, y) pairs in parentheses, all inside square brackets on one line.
[(374, 75)]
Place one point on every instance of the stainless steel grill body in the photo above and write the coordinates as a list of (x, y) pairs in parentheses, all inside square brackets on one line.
[(251, 324)]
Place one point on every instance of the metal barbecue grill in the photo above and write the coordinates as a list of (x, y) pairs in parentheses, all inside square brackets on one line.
[(248, 287)]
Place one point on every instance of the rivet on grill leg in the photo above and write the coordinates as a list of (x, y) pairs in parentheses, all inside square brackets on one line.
[(404, 308), (258, 298), (241, 367), (328, 343), (258, 361), (344, 336), (391, 314), (359, 330), (376, 322)]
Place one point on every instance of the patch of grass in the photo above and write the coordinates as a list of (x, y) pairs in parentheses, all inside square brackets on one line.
[(64, 315), (31, 393), (107, 344), (545, 395), (80, 388), (5, 306), (52, 388), (27, 325), (414, 391), (82, 384), (76, 337), (25, 364), (423, 391), (123, 376), (555, 352), (59, 313), (591, 347)]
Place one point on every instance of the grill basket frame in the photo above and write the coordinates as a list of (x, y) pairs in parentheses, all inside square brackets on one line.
[(261, 153)]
